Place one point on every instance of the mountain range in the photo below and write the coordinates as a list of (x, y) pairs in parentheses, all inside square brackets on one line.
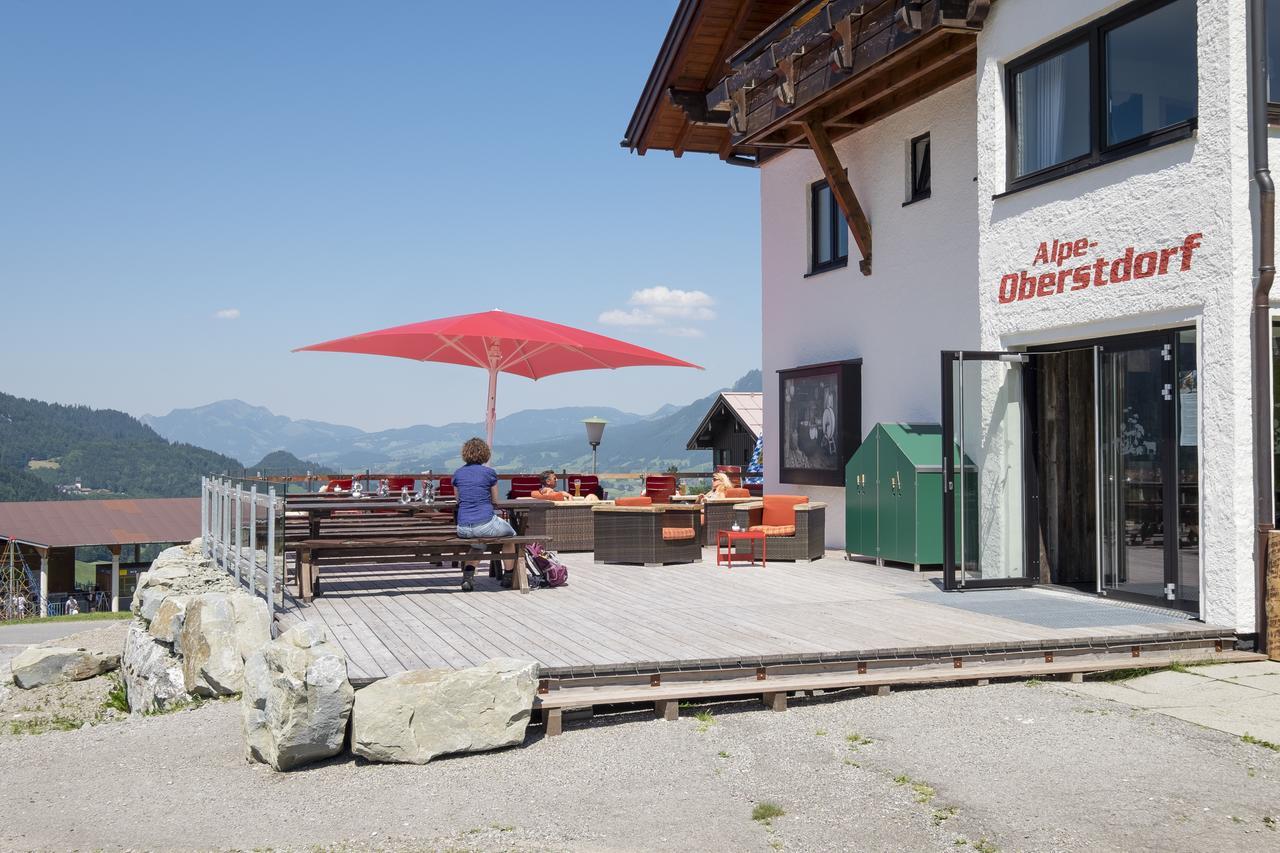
[(527, 440), (110, 453)]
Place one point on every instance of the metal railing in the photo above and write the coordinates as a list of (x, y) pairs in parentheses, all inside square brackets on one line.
[(242, 532)]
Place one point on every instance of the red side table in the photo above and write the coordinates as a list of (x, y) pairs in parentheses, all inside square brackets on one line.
[(726, 538)]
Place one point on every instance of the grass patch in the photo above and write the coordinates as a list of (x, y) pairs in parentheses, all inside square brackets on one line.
[(117, 697), (924, 793), (941, 816), (1032, 682), (1256, 741), (723, 754), (705, 719), (902, 779), (79, 617), (821, 733), (41, 725), (766, 812), (1125, 674), (982, 845), (851, 762), (1270, 823), (856, 740)]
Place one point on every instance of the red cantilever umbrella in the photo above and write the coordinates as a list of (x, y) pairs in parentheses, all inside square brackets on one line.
[(501, 343)]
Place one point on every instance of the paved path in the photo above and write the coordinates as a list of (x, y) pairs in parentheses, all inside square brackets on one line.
[(1237, 698), (15, 638), (1014, 767)]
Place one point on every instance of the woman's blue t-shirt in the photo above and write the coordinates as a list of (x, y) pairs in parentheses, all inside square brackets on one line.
[(475, 500)]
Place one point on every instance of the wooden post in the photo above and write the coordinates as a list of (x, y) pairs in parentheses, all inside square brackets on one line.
[(841, 189), (667, 709), (1272, 600), (775, 701), (554, 721), (115, 578)]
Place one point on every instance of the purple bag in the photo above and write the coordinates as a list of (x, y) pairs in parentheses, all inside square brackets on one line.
[(545, 566)]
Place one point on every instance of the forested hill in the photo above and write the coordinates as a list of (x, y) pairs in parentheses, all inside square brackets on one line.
[(106, 451)]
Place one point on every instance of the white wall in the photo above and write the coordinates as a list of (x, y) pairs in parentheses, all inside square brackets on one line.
[(1148, 201), (920, 297)]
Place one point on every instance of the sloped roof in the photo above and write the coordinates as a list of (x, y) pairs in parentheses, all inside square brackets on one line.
[(66, 524), (746, 406)]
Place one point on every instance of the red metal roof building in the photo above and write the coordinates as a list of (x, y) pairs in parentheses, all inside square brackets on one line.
[(48, 532)]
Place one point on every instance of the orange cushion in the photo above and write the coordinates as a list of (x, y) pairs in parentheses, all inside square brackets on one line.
[(677, 533), (774, 529), (552, 496), (736, 493), (634, 501), (780, 510)]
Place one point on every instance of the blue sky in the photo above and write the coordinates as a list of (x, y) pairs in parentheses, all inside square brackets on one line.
[(327, 168)]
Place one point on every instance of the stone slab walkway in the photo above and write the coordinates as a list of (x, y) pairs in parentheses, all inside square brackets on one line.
[(1237, 698)]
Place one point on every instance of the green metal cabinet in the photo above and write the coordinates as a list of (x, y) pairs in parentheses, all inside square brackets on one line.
[(893, 495)]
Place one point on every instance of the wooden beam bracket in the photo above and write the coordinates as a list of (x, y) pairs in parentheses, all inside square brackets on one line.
[(841, 189), (694, 105)]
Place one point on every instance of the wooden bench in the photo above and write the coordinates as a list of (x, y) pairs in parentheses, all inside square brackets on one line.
[(310, 554)]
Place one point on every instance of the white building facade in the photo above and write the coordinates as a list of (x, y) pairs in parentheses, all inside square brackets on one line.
[(1070, 296)]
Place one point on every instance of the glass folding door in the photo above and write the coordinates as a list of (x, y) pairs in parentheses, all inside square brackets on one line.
[(984, 441)]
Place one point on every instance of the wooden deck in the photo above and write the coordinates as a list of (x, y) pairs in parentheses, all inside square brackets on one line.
[(624, 619)]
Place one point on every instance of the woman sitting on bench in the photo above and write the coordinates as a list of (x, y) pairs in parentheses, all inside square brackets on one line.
[(477, 487)]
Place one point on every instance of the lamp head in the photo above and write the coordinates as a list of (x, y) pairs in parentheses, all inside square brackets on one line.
[(595, 430)]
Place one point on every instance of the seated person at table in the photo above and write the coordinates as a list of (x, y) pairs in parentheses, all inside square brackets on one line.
[(477, 487), (720, 485), (548, 491)]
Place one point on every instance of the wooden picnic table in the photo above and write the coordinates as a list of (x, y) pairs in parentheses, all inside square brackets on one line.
[(363, 509)]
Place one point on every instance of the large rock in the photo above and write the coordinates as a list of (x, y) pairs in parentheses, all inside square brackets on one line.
[(297, 699), (37, 666), (419, 715), (181, 570), (166, 623), (211, 661), (153, 676), (253, 623)]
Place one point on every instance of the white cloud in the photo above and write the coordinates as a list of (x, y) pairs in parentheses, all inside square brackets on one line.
[(658, 306), (633, 317), (227, 314)]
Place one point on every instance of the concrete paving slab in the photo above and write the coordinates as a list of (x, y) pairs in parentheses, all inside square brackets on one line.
[(1233, 670), (1257, 717), (1268, 682), (1165, 682)]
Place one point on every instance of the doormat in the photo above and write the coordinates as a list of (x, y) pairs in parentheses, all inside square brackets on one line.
[(1049, 610)]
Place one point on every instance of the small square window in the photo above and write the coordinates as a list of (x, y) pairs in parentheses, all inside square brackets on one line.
[(829, 237), (920, 168)]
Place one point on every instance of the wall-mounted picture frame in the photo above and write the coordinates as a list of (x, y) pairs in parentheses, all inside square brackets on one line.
[(820, 421)]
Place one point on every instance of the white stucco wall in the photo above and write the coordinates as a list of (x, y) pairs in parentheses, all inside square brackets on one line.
[(1148, 201), (920, 298)]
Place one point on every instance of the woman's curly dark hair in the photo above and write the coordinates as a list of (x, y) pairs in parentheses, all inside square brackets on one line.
[(475, 451)]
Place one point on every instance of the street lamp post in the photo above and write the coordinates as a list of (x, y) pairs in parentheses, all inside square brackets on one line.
[(595, 431)]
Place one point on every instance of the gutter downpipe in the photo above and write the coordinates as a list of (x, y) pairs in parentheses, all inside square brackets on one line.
[(1264, 509)]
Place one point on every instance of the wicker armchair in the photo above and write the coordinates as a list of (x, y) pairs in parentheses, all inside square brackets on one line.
[(806, 539), (649, 535)]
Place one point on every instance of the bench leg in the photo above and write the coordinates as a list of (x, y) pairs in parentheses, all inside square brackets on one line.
[(520, 575), (306, 571), (775, 701), (667, 709), (554, 724), (879, 690)]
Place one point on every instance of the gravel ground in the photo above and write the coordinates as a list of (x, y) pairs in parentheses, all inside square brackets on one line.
[(1008, 767), (62, 705)]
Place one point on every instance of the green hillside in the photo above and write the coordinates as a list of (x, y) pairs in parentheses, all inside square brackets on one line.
[(106, 451)]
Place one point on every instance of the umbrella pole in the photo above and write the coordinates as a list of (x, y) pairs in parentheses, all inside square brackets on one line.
[(491, 412)]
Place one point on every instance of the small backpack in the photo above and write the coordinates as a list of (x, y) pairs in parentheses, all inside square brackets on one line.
[(545, 566)]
